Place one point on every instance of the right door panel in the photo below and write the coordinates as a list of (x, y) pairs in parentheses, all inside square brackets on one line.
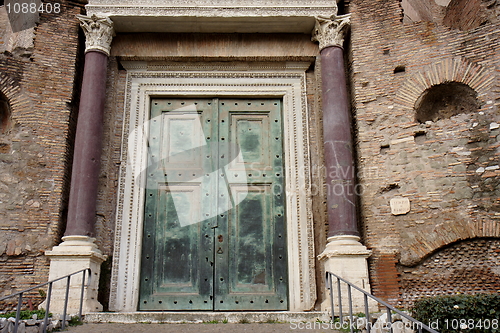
[(252, 275)]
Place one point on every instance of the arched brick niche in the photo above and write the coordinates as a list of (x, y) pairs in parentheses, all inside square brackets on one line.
[(456, 70), (4, 114), (442, 101), (10, 93), (12, 101), (462, 267)]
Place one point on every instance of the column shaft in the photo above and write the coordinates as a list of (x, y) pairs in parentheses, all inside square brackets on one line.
[(87, 154), (340, 177)]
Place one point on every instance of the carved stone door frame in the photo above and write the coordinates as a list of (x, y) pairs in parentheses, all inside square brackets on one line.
[(281, 80)]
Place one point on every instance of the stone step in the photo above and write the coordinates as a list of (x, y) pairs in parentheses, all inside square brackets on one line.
[(311, 327), (206, 317)]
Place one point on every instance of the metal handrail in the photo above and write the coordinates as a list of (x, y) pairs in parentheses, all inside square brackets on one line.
[(366, 295), (49, 294)]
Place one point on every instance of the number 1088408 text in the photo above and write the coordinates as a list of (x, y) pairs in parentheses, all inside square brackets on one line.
[(32, 7)]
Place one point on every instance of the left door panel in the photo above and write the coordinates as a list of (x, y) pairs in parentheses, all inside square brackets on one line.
[(177, 254)]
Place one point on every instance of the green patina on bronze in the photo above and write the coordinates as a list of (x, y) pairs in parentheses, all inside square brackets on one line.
[(214, 225)]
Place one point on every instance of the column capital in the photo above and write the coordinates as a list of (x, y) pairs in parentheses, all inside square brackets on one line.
[(331, 30), (99, 33)]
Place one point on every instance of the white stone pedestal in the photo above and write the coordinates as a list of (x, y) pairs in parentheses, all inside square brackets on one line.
[(346, 257), (73, 254)]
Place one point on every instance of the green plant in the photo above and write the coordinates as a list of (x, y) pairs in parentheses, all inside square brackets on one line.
[(244, 321), (225, 321), (75, 321), (211, 322), (26, 314), (460, 313)]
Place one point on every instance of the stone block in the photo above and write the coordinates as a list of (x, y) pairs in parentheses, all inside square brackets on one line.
[(8, 327), (21, 328), (32, 329), (347, 258), (74, 254), (400, 206)]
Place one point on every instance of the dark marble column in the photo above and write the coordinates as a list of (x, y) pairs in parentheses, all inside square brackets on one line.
[(78, 250), (344, 254), (339, 163), (87, 154)]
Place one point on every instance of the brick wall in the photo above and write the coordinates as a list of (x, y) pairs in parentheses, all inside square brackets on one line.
[(464, 267), (386, 281), (465, 15), (40, 86), (448, 169)]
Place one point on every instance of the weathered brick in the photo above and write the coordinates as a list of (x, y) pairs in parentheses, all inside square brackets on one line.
[(430, 53), (39, 84)]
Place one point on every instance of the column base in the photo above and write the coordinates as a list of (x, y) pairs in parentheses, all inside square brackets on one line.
[(73, 254), (346, 257)]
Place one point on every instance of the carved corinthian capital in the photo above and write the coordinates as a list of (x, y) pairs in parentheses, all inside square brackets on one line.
[(98, 33), (330, 31)]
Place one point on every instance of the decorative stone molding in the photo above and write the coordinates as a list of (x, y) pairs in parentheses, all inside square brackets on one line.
[(350, 246), (330, 31), (217, 3), (147, 80), (224, 16), (99, 33)]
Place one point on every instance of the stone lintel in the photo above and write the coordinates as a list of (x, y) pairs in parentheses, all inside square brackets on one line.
[(196, 50)]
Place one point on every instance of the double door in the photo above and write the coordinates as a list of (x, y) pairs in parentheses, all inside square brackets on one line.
[(214, 234)]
